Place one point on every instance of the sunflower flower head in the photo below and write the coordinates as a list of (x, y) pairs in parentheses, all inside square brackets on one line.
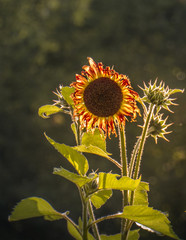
[(158, 127), (103, 98), (159, 95)]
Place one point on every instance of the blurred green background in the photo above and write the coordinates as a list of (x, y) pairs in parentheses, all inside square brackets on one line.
[(44, 43)]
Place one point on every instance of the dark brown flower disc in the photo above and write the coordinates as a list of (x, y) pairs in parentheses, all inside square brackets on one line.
[(103, 97)]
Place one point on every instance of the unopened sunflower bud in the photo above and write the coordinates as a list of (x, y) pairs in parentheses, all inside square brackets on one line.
[(61, 101), (92, 186), (159, 95), (158, 127)]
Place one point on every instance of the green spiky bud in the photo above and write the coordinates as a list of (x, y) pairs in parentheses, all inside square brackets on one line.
[(158, 127), (159, 95)]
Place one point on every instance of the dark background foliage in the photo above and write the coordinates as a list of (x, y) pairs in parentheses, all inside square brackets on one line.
[(43, 44)]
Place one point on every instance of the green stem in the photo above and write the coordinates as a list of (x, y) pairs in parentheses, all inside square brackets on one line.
[(123, 151), (85, 232), (143, 138), (78, 131), (72, 222), (133, 157), (124, 172), (84, 214), (86, 206), (141, 146), (118, 215), (94, 226)]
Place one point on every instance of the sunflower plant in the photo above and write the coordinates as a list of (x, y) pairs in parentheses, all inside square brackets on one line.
[(99, 103)]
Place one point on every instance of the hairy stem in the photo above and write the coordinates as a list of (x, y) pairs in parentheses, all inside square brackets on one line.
[(84, 214), (118, 215), (92, 217), (85, 232), (143, 138), (133, 157), (72, 222), (141, 145), (124, 172), (86, 205)]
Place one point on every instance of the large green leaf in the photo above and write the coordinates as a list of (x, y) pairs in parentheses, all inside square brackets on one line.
[(140, 194), (35, 207), (150, 218), (67, 92), (133, 235), (100, 197), (110, 181), (73, 177), (94, 139), (47, 110), (78, 161)]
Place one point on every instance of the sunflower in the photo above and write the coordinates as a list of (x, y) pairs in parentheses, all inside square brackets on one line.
[(103, 98)]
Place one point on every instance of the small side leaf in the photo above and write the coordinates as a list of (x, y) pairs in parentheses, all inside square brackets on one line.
[(133, 235), (35, 207), (66, 92), (73, 231), (47, 110), (73, 177), (140, 194), (78, 161), (73, 127), (110, 181), (94, 139), (100, 197), (150, 218)]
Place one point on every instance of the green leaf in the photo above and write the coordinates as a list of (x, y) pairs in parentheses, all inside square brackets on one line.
[(66, 92), (94, 139), (78, 161), (73, 231), (35, 207), (73, 127), (73, 177), (110, 181), (100, 197), (173, 91), (133, 235), (150, 218), (47, 110), (93, 143), (140, 194), (92, 149)]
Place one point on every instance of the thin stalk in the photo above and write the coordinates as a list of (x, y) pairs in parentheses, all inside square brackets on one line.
[(124, 172), (143, 138), (85, 230), (115, 162), (118, 215), (84, 214), (78, 131), (72, 222), (133, 157), (86, 205), (142, 143), (123, 151), (94, 226)]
